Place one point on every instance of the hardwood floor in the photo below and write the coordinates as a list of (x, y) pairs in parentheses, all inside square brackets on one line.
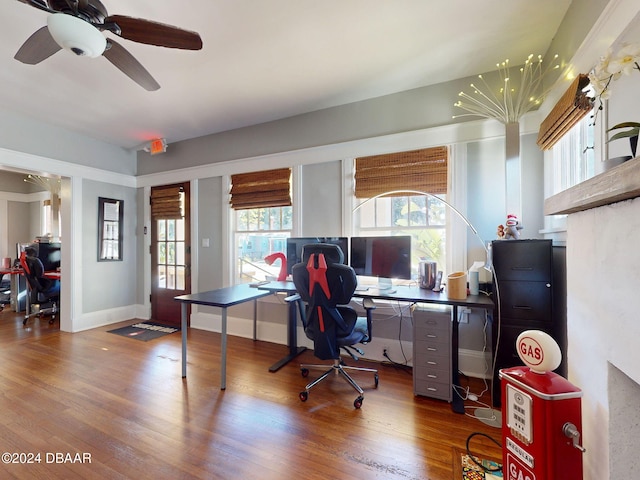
[(122, 404)]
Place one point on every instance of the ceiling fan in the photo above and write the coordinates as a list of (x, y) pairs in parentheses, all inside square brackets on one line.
[(77, 26)]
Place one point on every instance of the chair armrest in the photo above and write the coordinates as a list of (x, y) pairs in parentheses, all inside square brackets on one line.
[(301, 307), (368, 304), (293, 298)]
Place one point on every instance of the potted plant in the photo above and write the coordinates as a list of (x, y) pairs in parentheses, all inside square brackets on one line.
[(631, 134)]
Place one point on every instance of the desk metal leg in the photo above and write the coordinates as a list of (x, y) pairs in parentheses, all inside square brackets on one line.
[(223, 360), (292, 340), (255, 320), (183, 326), (457, 404)]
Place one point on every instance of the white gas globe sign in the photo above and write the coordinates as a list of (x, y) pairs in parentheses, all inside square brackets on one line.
[(538, 350)]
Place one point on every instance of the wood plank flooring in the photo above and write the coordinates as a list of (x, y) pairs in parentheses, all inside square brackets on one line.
[(121, 406)]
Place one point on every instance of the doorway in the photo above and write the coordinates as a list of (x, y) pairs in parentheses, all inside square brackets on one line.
[(170, 251)]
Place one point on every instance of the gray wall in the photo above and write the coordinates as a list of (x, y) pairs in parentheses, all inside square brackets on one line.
[(29, 135), (108, 285), (322, 199), (209, 226), (18, 230)]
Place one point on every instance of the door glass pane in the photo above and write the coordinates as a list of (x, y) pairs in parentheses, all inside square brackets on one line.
[(171, 253), (162, 230), (162, 276), (162, 253), (171, 277), (180, 278), (171, 229), (180, 253), (180, 230)]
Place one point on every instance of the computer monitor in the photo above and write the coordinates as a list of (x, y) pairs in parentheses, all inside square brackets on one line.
[(382, 257), (48, 253), (295, 244)]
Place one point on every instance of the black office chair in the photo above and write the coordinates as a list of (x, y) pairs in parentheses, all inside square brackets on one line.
[(325, 287), (37, 293)]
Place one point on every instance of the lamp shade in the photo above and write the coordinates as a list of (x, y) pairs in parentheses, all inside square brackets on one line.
[(76, 35)]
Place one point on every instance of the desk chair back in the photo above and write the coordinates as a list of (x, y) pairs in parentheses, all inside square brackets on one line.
[(326, 285), (32, 272), (37, 291)]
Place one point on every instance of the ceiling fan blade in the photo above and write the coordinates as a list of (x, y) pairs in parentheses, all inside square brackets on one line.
[(41, 4), (152, 33), (128, 65), (37, 48)]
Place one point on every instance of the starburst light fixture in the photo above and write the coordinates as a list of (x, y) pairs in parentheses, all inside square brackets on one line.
[(52, 185), (513, 98)]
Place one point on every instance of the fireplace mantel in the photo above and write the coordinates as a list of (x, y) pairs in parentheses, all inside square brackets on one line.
[(619, 183)]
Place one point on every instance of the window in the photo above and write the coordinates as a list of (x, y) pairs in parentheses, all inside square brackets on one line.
[(263, 222), (416, 181), (423, 217), (573, 156), (260, 232)]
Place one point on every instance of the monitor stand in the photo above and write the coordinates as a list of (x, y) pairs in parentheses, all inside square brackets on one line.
[(384, 283)]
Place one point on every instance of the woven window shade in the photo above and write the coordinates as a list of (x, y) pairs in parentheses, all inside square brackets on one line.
[(569, 110), (166, 202), (269, 188), (423, 170)]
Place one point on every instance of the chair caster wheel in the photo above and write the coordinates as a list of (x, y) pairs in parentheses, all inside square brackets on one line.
[(376, 379), (304, 396), (304, 372), (53, 320), (358, 401), (24, 322)]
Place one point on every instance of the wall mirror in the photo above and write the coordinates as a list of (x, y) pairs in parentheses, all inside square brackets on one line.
[(110, 214)]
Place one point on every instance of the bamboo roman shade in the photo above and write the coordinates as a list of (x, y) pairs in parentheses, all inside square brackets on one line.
[(423, 170), (569, 110), (166, 202), (268, 188)]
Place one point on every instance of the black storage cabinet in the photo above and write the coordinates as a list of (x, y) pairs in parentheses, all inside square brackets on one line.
[(523, 287)]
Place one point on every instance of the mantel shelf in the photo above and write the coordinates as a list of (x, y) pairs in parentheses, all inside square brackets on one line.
[(615, 185)]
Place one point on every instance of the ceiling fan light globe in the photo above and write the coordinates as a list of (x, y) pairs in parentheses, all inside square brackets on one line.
[(76, 35)]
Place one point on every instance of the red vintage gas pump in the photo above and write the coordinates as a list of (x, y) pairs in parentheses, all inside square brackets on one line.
[(541, 415)]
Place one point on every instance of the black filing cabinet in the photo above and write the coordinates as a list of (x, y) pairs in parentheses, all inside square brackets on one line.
[(523, 286)]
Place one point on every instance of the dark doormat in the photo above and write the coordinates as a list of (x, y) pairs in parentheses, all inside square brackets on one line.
[(145, 331)]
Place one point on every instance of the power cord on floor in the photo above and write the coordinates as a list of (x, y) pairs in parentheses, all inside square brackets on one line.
[(402, 366), (473, 457)]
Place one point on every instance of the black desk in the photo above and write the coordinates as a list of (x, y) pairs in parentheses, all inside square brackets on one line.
[(398, 293), (292, 328), (223, 298)]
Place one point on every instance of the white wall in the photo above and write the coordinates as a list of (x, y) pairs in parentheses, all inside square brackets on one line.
[(603, 274)]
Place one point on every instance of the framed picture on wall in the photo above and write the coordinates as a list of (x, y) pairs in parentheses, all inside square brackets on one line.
[(110, 215)]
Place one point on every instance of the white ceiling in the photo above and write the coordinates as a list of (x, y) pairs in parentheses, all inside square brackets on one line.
[(264, 60)]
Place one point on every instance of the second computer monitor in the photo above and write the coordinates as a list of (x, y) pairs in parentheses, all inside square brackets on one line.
[(383, 257), (295, 244)]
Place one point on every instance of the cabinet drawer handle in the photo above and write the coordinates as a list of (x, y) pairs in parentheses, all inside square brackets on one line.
[(522, 307), (522, 269), (432, 376), (432, 336), (432, 363), (431, 389), (431, 349)]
